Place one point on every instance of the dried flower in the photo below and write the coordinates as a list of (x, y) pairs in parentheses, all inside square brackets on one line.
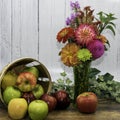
[(102, 38)]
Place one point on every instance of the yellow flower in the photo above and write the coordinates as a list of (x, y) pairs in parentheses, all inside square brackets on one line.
[(69, 54)]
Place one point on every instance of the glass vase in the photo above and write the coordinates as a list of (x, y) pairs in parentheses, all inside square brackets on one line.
[(81, 78)]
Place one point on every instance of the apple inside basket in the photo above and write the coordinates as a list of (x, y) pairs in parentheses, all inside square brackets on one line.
[(21, 68)]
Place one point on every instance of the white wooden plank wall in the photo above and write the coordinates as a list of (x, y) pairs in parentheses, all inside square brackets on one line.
[(28, 28)]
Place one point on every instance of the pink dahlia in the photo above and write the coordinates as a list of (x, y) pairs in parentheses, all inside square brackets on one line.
[(85, 34), (96, 47)]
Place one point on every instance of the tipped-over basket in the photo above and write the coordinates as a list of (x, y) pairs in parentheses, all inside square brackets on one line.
[(20, 64)]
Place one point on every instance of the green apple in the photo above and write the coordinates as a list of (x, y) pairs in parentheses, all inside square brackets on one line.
[(26, 81), (38, 110), (17, 108), (11, 92), (38, 91), (33, 70), (9, 79)]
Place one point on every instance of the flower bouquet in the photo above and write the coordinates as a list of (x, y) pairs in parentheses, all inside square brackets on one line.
[(84, 42)]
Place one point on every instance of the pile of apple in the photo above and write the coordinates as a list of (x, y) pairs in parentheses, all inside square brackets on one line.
[(25, 97)]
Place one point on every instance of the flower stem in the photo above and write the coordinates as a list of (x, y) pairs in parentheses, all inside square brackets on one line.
[(81, 80)]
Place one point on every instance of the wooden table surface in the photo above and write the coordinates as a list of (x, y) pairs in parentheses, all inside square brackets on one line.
[(106, 110)]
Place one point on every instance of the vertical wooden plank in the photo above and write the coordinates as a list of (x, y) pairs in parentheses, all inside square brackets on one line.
[(0, 36), (29, 28), (51, 19), (5, 35), (45, 16), (16, 29), (58, 22), (117, 38)]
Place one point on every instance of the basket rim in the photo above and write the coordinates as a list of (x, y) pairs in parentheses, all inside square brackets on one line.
[(5, 68)]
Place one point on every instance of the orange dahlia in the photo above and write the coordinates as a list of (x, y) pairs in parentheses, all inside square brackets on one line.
[(69, 54), (85, 34), (65, 34)]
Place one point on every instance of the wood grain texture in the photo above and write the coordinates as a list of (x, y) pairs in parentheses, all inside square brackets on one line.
[(28, 28), (105, 111), (5, 32)]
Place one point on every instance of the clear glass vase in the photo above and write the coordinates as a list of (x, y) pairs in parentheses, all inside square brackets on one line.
[(81, 78)]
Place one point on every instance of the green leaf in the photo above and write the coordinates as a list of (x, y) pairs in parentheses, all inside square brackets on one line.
[(60, 81), (108, 76), (93, 72), (110, 16), (63, 74), (109, 82), (108, 43), (100, 78), (118, 99), (68, 81), (112, 24), (106, 21), (110, 28)]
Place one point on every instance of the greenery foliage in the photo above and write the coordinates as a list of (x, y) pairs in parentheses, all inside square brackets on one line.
[(64, 83), (103, 85), (106, 22)]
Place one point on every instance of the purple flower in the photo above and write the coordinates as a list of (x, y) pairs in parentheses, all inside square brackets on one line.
[(73, 16), (70, 20), (74, 5), (96, 47)]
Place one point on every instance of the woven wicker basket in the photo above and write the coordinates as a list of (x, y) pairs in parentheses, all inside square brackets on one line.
[(19, 64)]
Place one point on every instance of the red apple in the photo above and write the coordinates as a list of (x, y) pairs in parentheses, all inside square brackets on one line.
[(26, 81), (33, 70), (28, 96), (63, 100), (50, 100), (87, 102)]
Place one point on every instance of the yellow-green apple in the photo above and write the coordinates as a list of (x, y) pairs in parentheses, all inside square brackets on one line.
[(63, 100), (9, 79), (38, 91), (50, 100), (11, 92), (87, 102), (17, 108), (26, 81), (38, 110), (28, 96), (33, 70)]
